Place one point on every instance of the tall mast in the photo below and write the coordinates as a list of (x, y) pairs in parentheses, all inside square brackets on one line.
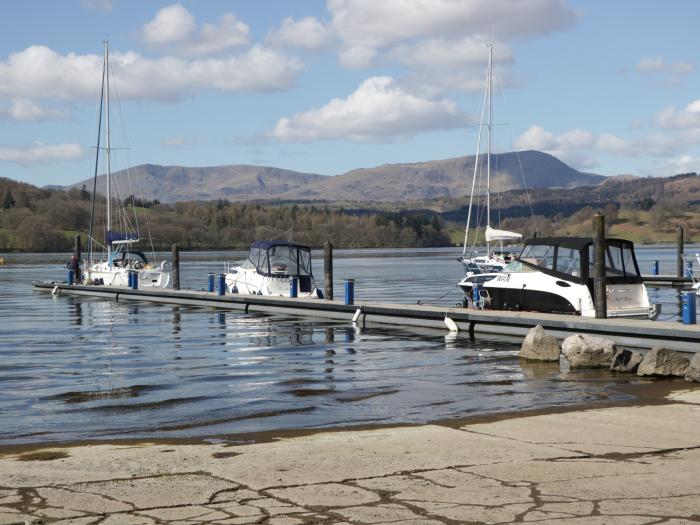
[(488, 153), (109, 153)]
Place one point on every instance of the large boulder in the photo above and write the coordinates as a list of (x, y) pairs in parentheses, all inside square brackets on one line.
[(539, 346), (625, 361), (693, 371), (587, 351), (660, 361)]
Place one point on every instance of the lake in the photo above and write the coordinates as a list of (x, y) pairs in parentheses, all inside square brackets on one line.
[(88, 369)]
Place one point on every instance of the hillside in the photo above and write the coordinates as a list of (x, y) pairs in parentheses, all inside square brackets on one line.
[(387, 183)]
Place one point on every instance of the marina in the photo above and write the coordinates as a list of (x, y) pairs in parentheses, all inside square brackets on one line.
[(349, 263), (208, 368)]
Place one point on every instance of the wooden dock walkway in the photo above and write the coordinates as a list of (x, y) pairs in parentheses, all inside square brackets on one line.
[(628, 332)]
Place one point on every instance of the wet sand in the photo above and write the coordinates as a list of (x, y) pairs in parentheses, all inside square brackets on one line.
[(615, 462)]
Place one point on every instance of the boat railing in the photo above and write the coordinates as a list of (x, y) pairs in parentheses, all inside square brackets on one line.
[(692, 267)]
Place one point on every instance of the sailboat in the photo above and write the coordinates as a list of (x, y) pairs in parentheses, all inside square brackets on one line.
[(496, 256), (120, 258)]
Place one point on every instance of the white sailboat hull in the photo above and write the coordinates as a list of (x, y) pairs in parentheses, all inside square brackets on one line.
[(119, 277)]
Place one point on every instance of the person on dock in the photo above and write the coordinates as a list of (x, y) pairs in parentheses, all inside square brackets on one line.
[(74, 264)]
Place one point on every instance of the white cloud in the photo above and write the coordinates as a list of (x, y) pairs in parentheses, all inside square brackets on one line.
[(659, 65), (467, 50), (306, 33), (671, 73), (572, 147), (40, 72), (682, 164), (673, 119), (172, 24), (367, 26), (579, 147), (40, 153), (379, 110), (177, 142), (176, 27), (28, 110)]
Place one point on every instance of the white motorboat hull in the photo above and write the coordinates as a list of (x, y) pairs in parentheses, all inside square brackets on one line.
[(537, 291), (249, 282)]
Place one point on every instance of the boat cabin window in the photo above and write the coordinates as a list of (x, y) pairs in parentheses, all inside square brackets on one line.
[(258, 257), (289, 260), (619, 261), (568, 261), (539, 254)]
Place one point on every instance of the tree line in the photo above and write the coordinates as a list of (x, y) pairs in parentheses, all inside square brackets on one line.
[(39, 220)]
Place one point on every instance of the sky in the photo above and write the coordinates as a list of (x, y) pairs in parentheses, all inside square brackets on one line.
[(327, 87)]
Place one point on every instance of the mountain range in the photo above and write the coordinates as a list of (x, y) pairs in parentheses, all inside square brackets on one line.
[(387, 183)]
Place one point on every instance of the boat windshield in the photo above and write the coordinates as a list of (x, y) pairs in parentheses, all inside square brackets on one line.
[(282, 260), (539, 254), (517, 267)]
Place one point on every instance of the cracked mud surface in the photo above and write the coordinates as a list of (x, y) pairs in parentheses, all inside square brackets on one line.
[(614, 465)]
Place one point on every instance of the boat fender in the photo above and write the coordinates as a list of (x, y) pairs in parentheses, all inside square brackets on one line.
[(355, 317), (451, 325), (234, 289), (319, 293), (55, 290)]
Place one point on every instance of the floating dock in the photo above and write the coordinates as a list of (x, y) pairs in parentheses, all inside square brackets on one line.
[(668, 280), (626, 332)]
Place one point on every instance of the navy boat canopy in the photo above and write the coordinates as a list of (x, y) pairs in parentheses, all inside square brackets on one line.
[(266, 245)]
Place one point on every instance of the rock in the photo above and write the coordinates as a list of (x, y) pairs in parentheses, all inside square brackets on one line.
[(625, 361), (539, 346), (660, 361), (693, 371), (587, 351)]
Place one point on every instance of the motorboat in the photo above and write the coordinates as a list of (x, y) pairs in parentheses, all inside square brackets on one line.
[(555, 275), (270, 268), (119, 258)]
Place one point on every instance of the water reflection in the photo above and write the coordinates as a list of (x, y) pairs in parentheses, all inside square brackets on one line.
[(100, 368)]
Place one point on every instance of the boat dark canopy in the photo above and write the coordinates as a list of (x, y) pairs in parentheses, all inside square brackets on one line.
[(572, 258), (280, 258), (265, 245)]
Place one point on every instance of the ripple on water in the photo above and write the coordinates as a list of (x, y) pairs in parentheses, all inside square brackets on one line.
[(86, 368)]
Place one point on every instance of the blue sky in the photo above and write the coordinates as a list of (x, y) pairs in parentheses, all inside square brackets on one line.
[(326, 87)]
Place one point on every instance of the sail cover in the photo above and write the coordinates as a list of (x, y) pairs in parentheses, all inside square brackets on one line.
[(114, 236), (501, 235)]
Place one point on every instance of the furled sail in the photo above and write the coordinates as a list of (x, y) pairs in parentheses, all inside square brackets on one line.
[(501, 235)]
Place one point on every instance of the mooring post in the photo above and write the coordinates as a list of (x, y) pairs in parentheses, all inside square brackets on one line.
[(599, 284), (77, 249), (328, 268), (679, 253), (176, 267), (78, 254)]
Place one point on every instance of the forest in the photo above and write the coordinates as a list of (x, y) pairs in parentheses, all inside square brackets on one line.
[(39, 220), (644, 210)]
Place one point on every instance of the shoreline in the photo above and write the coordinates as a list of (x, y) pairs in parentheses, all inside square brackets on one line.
[(653, 392), (633, 463)]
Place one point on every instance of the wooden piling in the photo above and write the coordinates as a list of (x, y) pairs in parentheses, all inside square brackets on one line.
[(176, 267), (680, 272), (599, 284), (328, 269), (77, 248)]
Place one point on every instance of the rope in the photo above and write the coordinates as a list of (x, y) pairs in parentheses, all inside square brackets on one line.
[(432, 301)]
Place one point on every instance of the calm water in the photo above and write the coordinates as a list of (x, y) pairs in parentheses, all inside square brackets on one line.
[(84, 368)]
